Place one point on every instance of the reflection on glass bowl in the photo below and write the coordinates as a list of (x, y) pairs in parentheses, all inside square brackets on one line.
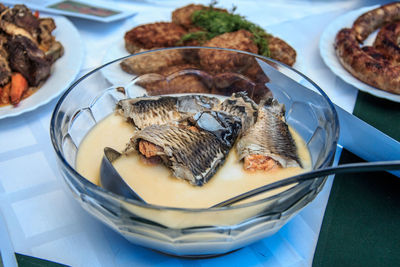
[(183, 231)]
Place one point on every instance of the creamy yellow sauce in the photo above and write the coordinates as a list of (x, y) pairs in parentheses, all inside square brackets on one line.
[(155, 183)]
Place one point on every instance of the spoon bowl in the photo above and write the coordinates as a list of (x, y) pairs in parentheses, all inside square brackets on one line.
[(110, 178)]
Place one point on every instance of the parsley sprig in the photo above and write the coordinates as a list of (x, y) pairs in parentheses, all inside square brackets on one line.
[(215, 22)]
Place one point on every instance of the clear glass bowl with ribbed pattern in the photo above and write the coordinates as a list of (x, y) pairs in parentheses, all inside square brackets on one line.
[(181, 231)]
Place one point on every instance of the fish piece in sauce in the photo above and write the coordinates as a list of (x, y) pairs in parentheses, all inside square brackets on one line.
[(146, 111), (193, 152), (242, 106), (268, 144)]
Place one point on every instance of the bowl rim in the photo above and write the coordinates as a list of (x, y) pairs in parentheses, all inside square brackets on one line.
[(92, 186)]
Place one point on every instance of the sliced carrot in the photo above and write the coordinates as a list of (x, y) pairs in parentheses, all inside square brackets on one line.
[(18, 86), (5, 96), (36, 14)]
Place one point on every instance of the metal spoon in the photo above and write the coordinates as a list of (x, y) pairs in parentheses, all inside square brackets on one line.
[(110, 178), (315, 174), (112, 181)]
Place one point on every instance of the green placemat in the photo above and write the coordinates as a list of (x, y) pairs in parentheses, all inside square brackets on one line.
[(380, 113), (28, 261), (361, 225)]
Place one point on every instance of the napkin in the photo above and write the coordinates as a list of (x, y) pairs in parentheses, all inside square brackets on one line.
[(360, 225)]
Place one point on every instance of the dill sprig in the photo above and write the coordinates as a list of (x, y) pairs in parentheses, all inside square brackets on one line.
[(215, 22), (200, 36)]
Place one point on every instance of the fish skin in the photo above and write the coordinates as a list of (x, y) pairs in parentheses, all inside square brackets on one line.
[(242, 106), (270, 136), (223, 125), (146, 111), (194, 156)]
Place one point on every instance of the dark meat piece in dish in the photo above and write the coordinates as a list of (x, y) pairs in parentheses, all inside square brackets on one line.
[(5, 71), (47, 42), (27, 51), (22, 17), (27, 59), (30, 46), (154, 35)]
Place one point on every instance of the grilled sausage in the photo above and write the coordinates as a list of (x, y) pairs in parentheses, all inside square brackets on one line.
[(374, 19), (387, 41), (363, 65)]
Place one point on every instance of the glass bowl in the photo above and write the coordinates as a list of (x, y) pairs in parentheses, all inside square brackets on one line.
[(181, 231)]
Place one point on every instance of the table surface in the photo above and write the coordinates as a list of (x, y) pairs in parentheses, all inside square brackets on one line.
[(38, 216)]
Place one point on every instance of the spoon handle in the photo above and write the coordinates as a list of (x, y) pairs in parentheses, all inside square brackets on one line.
[(315, 174)]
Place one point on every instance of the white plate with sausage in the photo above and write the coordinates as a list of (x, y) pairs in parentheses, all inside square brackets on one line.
[(63, 71), (328, 54)]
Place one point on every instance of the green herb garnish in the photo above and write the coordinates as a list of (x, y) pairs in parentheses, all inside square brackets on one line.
[(200, 36), (215, 22)]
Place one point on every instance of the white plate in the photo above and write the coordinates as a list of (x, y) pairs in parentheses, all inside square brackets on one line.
[(327, 52), (49, 6), (63, 71)]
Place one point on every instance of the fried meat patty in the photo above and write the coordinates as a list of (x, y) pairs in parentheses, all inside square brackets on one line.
[(153, 35), (281, 51), (178, 79), (183, 15), (216, 61), (151, 63)]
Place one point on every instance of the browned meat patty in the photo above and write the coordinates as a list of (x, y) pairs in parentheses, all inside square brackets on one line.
[(183, 15), (365, 24), (178, 79), (281, 51), (151, 63), (153, 35), (216, 61), (364, 65)]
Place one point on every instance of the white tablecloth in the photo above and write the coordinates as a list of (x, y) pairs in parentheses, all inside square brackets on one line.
[(38, 216)]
